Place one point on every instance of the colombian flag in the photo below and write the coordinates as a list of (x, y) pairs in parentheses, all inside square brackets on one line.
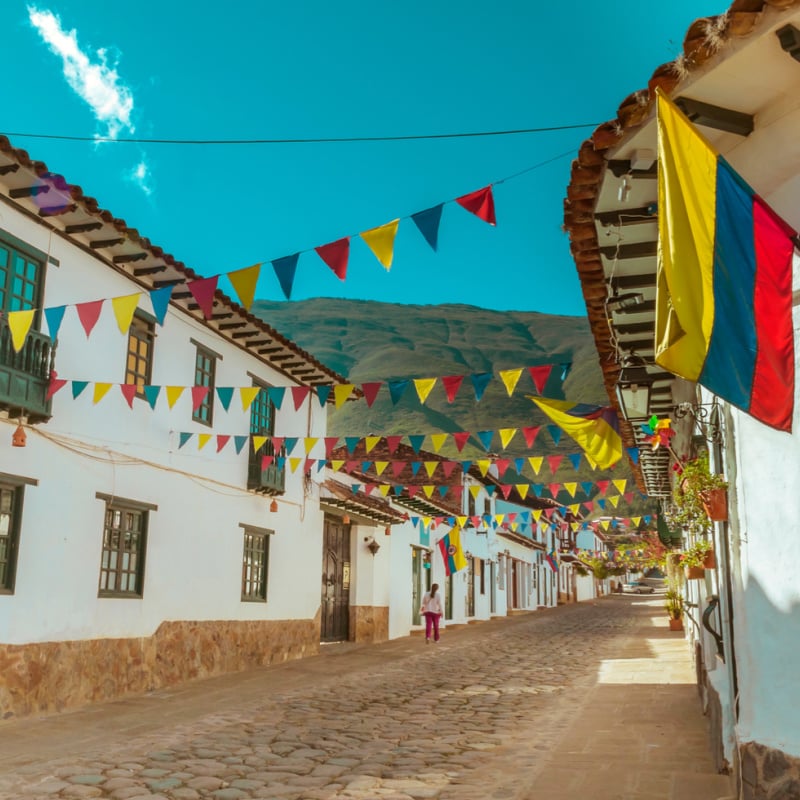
[(594, 428), (724, 281), (452, 552)]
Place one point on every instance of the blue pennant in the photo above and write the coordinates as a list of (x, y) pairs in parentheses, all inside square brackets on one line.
[(321, 464), (575, 458), (284, 270), (519, 464), (415, 465), (537, 489), (443, 492), (555, 433), (601, 502), (355, 487), (289, 444), (323, 392), (587, 487), (351, 443), (160, 300), (485, 438), (465, 465), (151, 393), (416, 441), (398, 490), (396, 389), (54, 316), (183, 438), (225, 393), (78, 387), (428, 223), (365, 466), (479, 383), (275, 395), (633, 452), (490, 489), (565, 370), (280, 462), (239, 442)]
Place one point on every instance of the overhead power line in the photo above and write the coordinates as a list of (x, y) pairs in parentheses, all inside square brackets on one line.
[(320, 140)]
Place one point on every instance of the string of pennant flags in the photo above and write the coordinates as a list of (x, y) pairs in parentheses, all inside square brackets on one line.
[(335, 255), (342, 392), (515, 519)]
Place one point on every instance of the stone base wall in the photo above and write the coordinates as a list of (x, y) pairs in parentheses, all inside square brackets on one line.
[(51, 676), (369, 623), (767, 774)]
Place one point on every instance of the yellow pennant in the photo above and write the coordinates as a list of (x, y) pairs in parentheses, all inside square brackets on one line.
[(248, 393), (461, 521), (510, 379), (341, 392), (430, 467), (384, 489), (536, 463), (437, 440), (426, 521), (514, 526), (124, 308), (309, 442), (483, 465), (614, 500), (423, 387), (498, 518), (337, 465), (294, 463), (20, 323), (506, 435), (100, 391), (173, 394), (537, 513), (571, 488), (574, 525), (381, 241), (621, 484), (636, 521), (575, 508), (244, 282), (522, 489), (428, 490), (370, 442), (202, 440), (380, 467), (604, 524), (475, 490), (258, 443)]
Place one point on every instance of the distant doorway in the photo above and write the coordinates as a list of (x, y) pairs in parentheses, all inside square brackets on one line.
[(335, 623)]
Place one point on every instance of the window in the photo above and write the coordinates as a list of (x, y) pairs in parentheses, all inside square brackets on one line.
[(11, 490), (470, 504), (21, 277), (138, 369), (482, 568), (205, 367), (255, 561), (124, 545)]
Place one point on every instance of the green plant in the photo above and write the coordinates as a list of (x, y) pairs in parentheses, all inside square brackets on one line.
[(695, 555), (695, 480), (674, 604)]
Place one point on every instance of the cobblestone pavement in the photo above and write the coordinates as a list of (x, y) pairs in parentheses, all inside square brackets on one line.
[(474, 716)]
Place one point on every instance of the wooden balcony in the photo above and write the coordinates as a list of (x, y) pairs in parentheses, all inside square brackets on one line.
[(271, 480), (25, 376)]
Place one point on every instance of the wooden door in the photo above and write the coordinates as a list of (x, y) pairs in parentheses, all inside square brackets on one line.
[(471, 588), (448, 599), (416, 581), (335, 581), (514, 584), (492, 587)]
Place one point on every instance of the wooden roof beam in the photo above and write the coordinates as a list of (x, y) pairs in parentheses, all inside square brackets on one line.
[(634, 250), (29, 191), (83, 227), (141, 271)]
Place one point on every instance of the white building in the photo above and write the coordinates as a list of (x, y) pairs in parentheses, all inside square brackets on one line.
[(737, 79)]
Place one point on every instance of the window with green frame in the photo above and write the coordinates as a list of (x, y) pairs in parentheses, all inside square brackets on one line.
[(21, 277), (10, 523), (255, 563), (124, 546), (139, 365), (205, 368)]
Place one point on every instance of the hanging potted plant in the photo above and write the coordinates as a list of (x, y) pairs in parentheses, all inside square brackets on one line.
[(699, 496), (693, 560), (674, 606)]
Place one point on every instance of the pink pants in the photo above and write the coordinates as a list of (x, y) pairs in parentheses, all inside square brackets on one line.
[(431, 619)]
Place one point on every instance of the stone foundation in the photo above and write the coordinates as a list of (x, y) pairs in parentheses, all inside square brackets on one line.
[(767, 774), (369, 623), (51, 676)]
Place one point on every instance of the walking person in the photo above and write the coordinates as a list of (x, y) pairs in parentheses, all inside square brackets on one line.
[(432, 610)]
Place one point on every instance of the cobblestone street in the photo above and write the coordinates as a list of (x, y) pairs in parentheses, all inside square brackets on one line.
[(506, 709)]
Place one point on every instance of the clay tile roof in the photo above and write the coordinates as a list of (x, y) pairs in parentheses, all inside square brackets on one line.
[(377, 509)]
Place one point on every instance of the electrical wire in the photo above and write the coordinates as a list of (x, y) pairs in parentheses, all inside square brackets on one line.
[(315, 140)]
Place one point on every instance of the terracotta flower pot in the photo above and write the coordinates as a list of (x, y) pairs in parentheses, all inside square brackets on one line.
[(710, 561), (715, 503), (695, 573), (675, 624)]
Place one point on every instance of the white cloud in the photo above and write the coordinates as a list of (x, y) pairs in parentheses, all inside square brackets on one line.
[(94, 81), (142, 176)]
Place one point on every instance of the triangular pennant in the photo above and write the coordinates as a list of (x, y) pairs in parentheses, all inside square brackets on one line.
[(461, 439), (275, 394), (225, 394), (479, 383), (614, 500), (502, 465), (416, 440), (335, 255), (510, 378), (398, 467), (380, 467), (248, 395), (587, 487), (519, 464), (423, 387), (290, 442), (54, 316), (323, 393), (530, 434), (430, 467), (522, 489), (337, 464), (571, 487), (554, 489), (475, 490), (465, 466), (239, 442), (392, 443), (199, 394), (266, 462), (370, 442), (221, 442), (452, 383), (633, 454), (19, 322), (480, 203), (244, 284), (259, 442), (427, 222), (415, 468), (506, 435), (536, 463), (341, 392), (485, 438), (54, 385), (299, 394), (602, 486), (565, 370), (173, 394), (555, 433), (159, 299), (88, 314), (448, 467), (124, 308), (437, 440), (203, 292), (100, 391), (575, 460), (443, 490), (483, 466), (370, 391), (384, 489), (620, 484), (428, 490), (396, 389), (381, 241), (128, 392), (183, 438), (628, 497), (285, 269), (294, 463), (78, 387), (351, 442), (309, 442), (351, 466), (540, 375)]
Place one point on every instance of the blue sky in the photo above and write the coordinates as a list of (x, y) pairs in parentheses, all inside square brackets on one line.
[(263, 69)]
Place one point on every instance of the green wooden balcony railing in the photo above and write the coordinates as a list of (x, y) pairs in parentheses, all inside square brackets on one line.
[(25, 376), (271, 480)]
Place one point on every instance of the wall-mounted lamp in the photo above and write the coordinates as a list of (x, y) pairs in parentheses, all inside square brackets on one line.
[(373, 546), (346, 519), (633, 389), (387, 531), (707, 418), (19, 438), (273, 506)]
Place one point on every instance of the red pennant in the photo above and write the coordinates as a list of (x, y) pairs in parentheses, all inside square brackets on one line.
[(369, 487), (299, 394), (530, 434), (539, 376), (351, 466), (548, 512), (506, 490), (448, 467), (502, 466), (603, 486), (55, 384), (128, 392), (412, 490), (308, 464), (554, 462), (476, 521), (393, 442), (398, 467), (554, 489), (277, 444), (461, 439), (457, 491), (335, 255), (628, 497), (512, 516), (371, 392), (452, 383), (203, 292), (266, 461), (330, 444), (222, 441), (88, 314), (199, 394), (480, 203)]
